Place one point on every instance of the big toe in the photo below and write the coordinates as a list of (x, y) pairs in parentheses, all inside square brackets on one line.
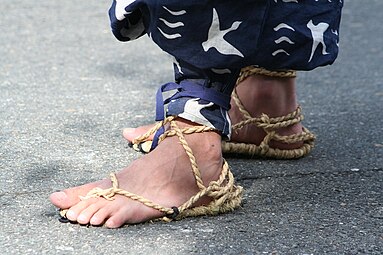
[(132, 133), (60, 199), (129, 134), (69, 197)]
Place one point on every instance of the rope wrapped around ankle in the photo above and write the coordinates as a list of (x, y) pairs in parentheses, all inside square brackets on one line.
[(251, 70), (269, 125), (225, 195)]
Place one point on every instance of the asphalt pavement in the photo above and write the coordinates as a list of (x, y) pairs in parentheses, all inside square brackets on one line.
[(67, 88)]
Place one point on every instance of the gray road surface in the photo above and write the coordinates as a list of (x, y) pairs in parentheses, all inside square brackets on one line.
[(67, 88)]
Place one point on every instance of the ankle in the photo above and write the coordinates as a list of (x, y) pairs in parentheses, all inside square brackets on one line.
[(208, 143), (270, 95), (206, 147)]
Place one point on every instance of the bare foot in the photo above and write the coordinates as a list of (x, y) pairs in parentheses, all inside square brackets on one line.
[(259, 94), (163, 176)]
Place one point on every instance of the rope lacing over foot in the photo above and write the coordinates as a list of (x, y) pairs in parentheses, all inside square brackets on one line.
[(269, 125), (225, 195)]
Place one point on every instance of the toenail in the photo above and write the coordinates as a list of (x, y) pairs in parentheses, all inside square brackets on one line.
[(82, 218), (128, 130), (95, 221), (59, 196), (71, 215)]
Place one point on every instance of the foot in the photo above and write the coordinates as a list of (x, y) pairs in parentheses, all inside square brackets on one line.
[(259, 94), (163, 176), (272, 96)]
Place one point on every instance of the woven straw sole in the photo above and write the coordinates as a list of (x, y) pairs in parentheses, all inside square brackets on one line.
[(256, 151)]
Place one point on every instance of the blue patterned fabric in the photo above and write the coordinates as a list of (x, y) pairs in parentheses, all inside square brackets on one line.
[(211, 40)]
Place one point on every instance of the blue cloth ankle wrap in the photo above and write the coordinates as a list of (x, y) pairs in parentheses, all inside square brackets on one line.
[(195, 88)]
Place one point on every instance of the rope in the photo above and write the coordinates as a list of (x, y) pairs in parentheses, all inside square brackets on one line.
[(225, 195), (251, 70), (270, 126)]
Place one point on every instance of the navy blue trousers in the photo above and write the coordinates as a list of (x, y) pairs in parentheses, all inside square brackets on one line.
[(211, 40)]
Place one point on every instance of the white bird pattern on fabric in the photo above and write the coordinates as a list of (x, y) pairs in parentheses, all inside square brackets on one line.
[(282, 39), (120, 8), (283, 25), (192, 112), (172, 25), (216, 37), (175, 13), (280, 51), (177, 65), (317, 32)]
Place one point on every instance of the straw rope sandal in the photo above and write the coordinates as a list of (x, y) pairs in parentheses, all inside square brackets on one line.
[(269, 125), (225, 195)]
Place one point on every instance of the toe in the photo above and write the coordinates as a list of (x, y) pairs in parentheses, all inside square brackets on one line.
[(114, 215), (70, 197), (100, 216), (132, 133), (75, 211), (87, 214), (59, 199), (115, 221), (128, 134)]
